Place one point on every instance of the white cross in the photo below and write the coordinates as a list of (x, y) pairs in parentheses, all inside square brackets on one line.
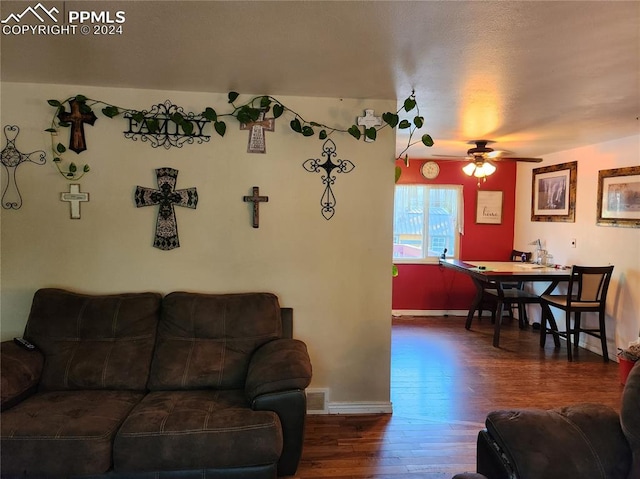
[(74, 197), (368, 121)]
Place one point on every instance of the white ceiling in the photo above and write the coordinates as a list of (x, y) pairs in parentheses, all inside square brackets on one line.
[(537, 77)]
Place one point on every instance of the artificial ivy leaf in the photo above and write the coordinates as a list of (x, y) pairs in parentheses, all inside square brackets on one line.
[(57, 160), (220, 127), (64, 123), (73, 168), (418, 121), (323, 134), (243, 116), (390, 119), (277, 110), (354, 131), (295, 125), (409, 104), (232, 96), (265, 101), (187, 127), (427, 140), (394, 271), (210, 114), (81, 98), (54, 103), (84, 108), (152, 124), (177, 118), (70, 175), (138, 116), (86, 168), (371, 133), (60, 148), (398, 173), (110, 111), (307, 131), (404, 124), (51, 130)]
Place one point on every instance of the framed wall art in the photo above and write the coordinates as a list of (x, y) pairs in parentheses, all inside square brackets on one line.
[(553, 195), (619, 197), (489, 207)]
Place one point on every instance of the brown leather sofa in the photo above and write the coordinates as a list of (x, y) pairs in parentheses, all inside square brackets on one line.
[(140, 386), (580, 441)]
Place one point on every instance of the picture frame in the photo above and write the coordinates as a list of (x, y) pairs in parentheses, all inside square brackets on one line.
[(553, 192), (619, 197), (489, 207)]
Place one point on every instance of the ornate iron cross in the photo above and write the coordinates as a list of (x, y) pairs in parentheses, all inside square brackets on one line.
[(77, 119), (11, 158), (257, 141), (328, 200), (166, 196)]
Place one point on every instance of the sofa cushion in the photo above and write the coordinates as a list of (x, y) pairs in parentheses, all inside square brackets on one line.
[(94, 342), (583, 440), (630, 418), (175, 430), (63, 433), (19, 373), (206, 340)]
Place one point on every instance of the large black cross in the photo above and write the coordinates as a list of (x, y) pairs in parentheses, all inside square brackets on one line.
[(166, 196), (77, 119)]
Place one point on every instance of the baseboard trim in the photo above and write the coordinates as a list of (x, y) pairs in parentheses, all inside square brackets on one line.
[(429, 312), (360, 408)]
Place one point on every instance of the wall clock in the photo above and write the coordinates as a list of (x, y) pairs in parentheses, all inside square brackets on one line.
[(430, 170)]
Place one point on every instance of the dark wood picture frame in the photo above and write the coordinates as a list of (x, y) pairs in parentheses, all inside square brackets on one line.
[(619, 197), (553, 192), (489, 207)]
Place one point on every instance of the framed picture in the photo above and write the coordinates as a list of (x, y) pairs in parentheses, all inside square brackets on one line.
[(619, 197), (553, 195), (489, 207)]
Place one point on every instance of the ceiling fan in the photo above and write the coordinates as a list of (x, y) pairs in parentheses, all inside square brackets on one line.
[(481, 158)]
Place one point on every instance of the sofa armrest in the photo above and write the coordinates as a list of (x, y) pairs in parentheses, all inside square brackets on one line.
[(469, 475), (19, 373), (535, 442), (279, 365)]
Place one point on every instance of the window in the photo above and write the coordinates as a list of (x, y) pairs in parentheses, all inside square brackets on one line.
[(426, 220)]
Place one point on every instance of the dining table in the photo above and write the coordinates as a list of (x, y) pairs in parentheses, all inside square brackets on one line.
[(491, 274)]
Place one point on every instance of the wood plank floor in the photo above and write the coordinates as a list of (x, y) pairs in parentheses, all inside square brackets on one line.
[(444, 381)]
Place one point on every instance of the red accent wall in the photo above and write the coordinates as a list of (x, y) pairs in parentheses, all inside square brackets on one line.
[(429, 286)]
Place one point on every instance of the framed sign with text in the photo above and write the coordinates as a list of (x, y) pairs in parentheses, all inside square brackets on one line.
[(489, 207)]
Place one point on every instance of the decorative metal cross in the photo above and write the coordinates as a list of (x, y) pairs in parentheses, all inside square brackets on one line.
[(328, 200), (77, 119), (166, 196), (74, 197), (256, 199), (11, 158), (369, 121), (257, 141)]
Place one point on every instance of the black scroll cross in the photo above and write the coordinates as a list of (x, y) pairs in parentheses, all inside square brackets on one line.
[(328, 200), (166, 196), (256, 199), (77, 119)]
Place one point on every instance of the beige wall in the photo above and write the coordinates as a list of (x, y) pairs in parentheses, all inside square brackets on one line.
[(595, 245), (335, 274)]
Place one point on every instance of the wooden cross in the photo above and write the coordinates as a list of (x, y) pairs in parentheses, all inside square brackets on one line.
[(256, 199), (74, 197), (77, 119), (368, 121), (166, 196), (257, 141)]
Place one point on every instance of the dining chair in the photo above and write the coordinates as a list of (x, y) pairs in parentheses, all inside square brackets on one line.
[(586, 292), (513, 300)]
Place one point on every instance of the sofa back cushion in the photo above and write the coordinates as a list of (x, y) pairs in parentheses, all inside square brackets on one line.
[(206, 340), (630, 418), (94, 342)]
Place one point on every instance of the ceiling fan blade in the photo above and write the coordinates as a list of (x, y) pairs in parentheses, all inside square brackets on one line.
[(513, 158)]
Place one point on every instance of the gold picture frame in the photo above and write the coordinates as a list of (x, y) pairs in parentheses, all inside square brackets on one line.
[(553, 196), (619, 197)]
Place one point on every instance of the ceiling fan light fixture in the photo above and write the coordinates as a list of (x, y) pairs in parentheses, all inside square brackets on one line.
[(469, 168), (479, 170)]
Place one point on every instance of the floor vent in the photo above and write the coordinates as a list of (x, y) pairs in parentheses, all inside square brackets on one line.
[(317, 401)]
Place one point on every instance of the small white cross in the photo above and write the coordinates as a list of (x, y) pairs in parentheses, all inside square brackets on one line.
[(368, 121), (74, 197)]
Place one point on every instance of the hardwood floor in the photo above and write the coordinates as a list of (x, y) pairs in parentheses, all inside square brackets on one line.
[(444, 381)]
